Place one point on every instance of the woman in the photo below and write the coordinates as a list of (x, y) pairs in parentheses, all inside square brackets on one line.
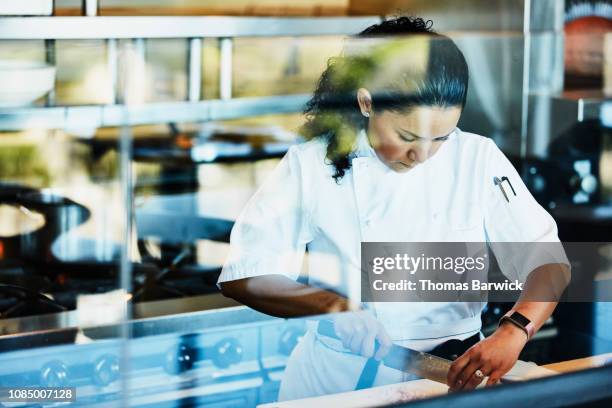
[(386, 163)]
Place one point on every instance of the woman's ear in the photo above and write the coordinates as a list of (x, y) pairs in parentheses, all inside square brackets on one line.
[(364, 99)]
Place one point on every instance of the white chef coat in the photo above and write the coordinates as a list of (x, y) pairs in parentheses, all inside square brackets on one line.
[(450, 197)]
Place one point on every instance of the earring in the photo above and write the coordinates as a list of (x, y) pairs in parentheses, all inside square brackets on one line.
[(366, 114)]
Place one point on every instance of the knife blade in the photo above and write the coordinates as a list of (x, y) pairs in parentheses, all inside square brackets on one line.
[(404, 359)]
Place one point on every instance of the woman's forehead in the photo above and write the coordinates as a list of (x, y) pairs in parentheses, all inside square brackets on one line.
[(424, 121)]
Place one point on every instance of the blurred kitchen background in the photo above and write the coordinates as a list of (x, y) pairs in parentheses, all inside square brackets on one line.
[(132, 132)]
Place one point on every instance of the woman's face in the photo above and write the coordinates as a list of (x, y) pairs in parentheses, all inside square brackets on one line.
[(405, 140)]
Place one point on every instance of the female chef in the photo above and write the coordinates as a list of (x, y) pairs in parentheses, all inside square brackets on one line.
[(386, 162)]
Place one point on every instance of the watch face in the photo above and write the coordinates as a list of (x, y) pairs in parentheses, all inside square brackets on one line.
[(519, 318)]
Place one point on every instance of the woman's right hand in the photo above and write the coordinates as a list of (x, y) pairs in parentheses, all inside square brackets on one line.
[(360, 331)]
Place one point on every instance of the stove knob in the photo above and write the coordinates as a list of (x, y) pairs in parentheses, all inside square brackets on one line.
[(54, 374), (588, 184), (179, 359), (106, 370), (226, 352), (289, 339)]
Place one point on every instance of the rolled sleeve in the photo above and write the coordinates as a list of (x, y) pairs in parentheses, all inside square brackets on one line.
[(522, 234), (270, 235)]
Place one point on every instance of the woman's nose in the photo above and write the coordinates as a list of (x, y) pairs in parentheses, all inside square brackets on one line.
[(419, 152)]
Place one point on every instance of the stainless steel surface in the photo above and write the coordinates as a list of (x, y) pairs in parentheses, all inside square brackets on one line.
[(114, 115), (26, 8), (90, 8), (544, 65), (556, 113), (164, 316), (50, 58), (488, 15), (13, 28), (113, 72), (133, 71), (606, 113), (226, 47), (194, 65), (574, 106), (543, 69), (195, 365), (545, 15), (180, 218), (127, 194)]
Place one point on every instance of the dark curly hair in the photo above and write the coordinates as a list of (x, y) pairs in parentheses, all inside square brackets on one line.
[(333, 112)]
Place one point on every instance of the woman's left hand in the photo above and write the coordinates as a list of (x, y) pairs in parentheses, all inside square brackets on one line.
[(492, 357)]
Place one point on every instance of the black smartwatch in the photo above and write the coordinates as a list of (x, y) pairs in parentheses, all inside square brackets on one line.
[(519, 321)]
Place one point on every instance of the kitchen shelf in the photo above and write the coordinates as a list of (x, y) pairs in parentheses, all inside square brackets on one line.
[(87, 28), (138, 29), (94, 116)]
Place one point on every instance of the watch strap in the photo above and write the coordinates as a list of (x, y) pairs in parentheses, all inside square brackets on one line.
[(519, 321)]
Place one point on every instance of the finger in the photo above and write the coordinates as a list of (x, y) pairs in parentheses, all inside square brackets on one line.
[(346, 333), (345, 336), (367, 346), (467, 378), (357, 339), (476, 379), (385, 344), (494, 377), (455, 370)]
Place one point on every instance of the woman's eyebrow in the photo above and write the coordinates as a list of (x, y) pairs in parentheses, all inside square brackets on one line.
[(421, 137)]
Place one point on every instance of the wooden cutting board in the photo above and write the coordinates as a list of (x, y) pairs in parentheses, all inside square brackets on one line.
[(581, 363), (419, 389), (402, 392), (385, 395)]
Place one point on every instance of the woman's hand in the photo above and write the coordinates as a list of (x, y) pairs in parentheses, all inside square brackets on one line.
[(359, 332), (492, 357)]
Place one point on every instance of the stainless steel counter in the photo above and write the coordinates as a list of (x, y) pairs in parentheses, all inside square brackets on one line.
[(151, 318)]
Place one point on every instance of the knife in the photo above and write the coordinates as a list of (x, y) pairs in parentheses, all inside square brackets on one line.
[(401, 358)]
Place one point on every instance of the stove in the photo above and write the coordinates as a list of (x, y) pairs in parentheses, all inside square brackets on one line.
[(45, 269), (230, 366)]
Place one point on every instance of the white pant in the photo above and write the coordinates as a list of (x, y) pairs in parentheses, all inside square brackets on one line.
[(316, 369)]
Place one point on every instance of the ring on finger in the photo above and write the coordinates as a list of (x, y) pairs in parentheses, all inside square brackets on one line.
[(479, 374)]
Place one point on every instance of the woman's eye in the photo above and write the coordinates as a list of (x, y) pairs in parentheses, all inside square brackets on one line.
[(407, 138), (412, 139)]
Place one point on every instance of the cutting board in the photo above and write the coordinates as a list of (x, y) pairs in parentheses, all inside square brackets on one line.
[(402, 392), (376, 396), (581, 363)]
